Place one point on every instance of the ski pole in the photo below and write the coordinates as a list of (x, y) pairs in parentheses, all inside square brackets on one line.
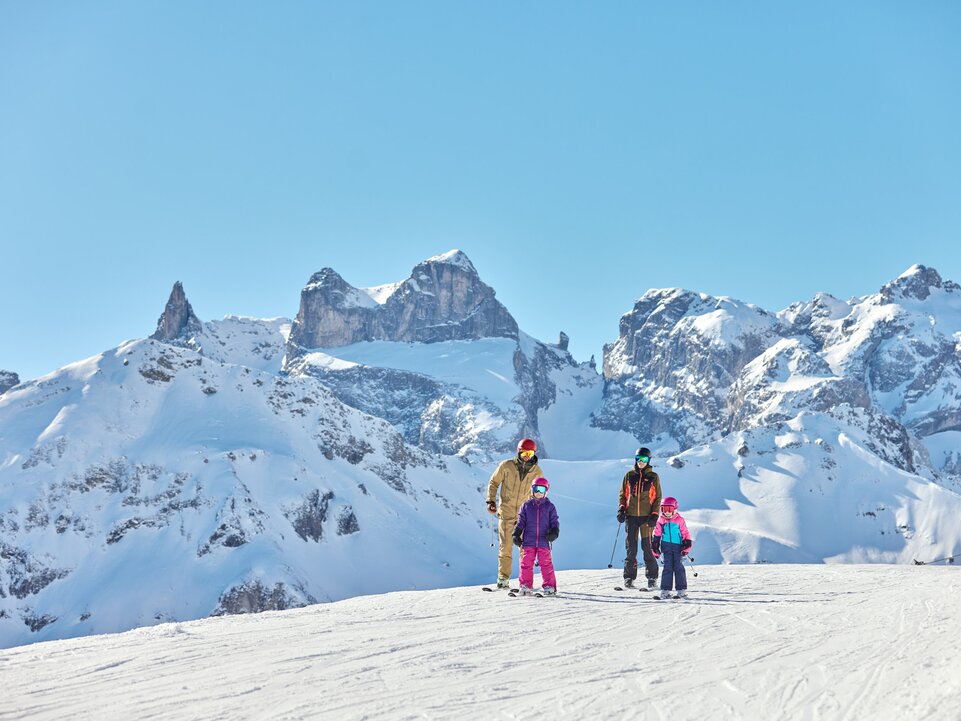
[(492, 534), (611, 564), (949, 559), (691, 561)]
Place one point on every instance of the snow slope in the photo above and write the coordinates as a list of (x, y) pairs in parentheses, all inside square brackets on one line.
[(150, 483), (154, 483), (827, 642)]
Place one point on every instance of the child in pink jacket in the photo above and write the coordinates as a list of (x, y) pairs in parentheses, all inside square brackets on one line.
[(671, 538)]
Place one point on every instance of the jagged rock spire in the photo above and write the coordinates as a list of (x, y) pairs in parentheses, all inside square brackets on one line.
[(178, 319)]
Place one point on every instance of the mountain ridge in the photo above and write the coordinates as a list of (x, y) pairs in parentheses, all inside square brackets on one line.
[(273, 475)]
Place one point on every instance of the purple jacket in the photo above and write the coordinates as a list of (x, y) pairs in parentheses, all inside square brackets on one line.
[(533, 520)]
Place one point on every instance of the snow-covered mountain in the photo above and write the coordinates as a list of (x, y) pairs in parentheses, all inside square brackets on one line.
[(688, 368), (777, 642), (441, 358), (151, 482), (250, 464)]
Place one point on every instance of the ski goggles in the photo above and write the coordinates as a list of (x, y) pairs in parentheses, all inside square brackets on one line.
[(642, 459), (526, 454), (539, 489)]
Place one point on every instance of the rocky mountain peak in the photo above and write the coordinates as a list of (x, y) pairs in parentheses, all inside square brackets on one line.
[(8, 379), (328, 284), (325, 276), (443, 299), (178, 320), (456, 258), (916, 283)]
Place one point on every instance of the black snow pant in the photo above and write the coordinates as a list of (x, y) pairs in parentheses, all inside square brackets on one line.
[(635, 525)]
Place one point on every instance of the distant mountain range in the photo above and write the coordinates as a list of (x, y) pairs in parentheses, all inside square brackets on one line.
[(249, 464)]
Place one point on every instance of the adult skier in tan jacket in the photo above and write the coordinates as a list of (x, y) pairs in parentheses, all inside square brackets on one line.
[(513, 477)]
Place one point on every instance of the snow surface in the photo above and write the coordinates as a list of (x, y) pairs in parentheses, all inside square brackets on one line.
[(805, 491), (485, 365), (565, 426), (944, 448), (752, 642), (380, 293), (251, 342), (808, 489)]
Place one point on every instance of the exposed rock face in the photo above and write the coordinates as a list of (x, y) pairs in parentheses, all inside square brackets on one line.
[(916, 283), (676, 355), (23, 575), (308, 518), (443, 299), (178, 321), (347, 522), (8, 379), (255, 597), (696, 368)]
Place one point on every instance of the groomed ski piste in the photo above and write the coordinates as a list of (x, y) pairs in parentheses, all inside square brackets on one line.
[(752, 642)]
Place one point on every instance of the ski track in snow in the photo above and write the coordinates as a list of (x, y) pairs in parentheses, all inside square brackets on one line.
[(810, 642)]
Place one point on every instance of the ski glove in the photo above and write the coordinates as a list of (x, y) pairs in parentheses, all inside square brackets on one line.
[(491, 507), (685, 546), (656, 545), (517, 538), (552, 534), (652, 520), (621, 514)]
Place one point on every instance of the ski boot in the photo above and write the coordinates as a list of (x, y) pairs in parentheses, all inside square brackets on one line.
[(548, 591), (503, 582), (526, 591), (682, 594), (663, 594), (651, 584), (628, 583)]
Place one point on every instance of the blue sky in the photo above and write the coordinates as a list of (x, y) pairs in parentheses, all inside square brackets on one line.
[(578, 153)]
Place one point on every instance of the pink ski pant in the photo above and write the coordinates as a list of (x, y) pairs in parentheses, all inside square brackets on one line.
[(543, 556)]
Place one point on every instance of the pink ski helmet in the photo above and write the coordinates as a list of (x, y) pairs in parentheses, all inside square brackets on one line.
[(669, 502), (541, 482)]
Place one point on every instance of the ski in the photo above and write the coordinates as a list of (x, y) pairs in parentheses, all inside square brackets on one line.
[(618, 588), (495, 588)]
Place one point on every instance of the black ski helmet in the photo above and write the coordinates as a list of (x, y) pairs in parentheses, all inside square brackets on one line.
[(643, 452)]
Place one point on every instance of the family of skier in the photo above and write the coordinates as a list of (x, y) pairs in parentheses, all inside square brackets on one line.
[(528, 520)]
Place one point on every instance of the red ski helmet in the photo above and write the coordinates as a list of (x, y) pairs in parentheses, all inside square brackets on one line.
[(527, 444), (541, 482)]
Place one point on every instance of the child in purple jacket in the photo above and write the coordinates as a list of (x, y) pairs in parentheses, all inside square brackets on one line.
[(537, 527), (671, 538)]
